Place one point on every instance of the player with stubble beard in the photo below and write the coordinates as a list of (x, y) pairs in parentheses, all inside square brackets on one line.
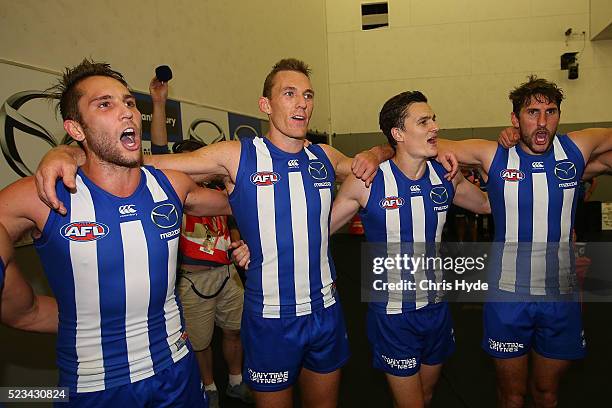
[(281, 195), (111, 257), (533, 188)]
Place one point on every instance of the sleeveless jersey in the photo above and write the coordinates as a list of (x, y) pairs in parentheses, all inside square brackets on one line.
[(281, 203), (401, 210), (111, 263), (533, 201)]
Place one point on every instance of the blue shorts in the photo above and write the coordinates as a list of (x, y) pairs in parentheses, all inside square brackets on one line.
[(553, 329), (402, 342), (179, 385), (275, 350)]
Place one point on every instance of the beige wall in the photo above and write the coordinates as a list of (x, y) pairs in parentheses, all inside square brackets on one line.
[(219, 51), (601, 19), (465, 55)]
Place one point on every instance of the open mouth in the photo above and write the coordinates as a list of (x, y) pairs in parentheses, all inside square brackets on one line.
[(432, 140), (128, 139), (541, 137), (300, 118)]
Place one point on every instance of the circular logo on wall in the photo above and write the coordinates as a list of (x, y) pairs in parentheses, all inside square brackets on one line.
[(11, 119)]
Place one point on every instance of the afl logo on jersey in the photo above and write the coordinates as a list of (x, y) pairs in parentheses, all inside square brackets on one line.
[(165, 216), (438, 195), (565, 170), (512, 175), (84, 231), (265, 178), (391, 203)]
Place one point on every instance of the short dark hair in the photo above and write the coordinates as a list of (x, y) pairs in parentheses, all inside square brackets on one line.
[(538, 88), (66, 89), (395, 111), (287, 64)]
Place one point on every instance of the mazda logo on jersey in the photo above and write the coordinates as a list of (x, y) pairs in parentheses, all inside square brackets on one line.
[(512, 175), (84, 231), (265, 178), (565, 170), (165, 216), (438, 195), (317, 170), (391, 203)]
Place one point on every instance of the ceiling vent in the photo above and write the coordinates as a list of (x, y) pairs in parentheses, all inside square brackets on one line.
[(374, 15)]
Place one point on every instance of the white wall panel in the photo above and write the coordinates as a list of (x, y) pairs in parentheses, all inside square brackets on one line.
[(343, 15), (412, 52), (341, 50), (465, 55), (219, 51), (556, 7)]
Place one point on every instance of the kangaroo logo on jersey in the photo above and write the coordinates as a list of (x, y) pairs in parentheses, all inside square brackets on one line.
[(165, 216), (317, 170), (391, 203), (84, 231), (438, 195), (265, 178), (512, 175), (565, 170)]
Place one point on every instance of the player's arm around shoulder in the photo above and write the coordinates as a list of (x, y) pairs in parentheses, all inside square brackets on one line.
[(59, 162), (353, 195), (592, 142), (598, 165), (469, 196), (469, 152), (220, 158), (21, 210), (364, 165), (198, 201)]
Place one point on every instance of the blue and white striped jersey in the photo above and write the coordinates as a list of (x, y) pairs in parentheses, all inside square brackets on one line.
[(533, 200), (282, 202), (111, 263), (401, 210)]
